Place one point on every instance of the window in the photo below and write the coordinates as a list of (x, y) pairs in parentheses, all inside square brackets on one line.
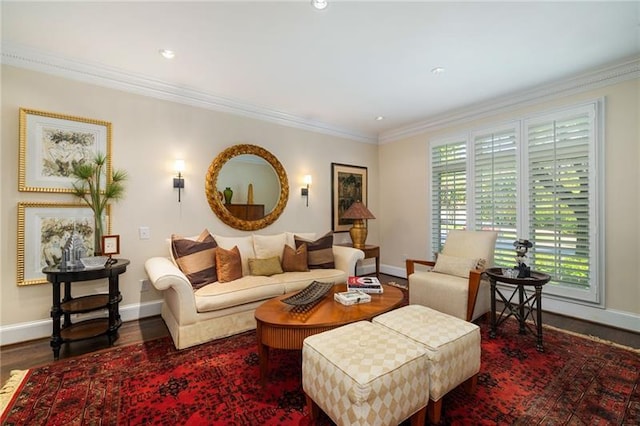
[(535, 178)]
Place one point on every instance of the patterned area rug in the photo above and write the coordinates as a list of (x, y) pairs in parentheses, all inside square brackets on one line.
[(577, 381)]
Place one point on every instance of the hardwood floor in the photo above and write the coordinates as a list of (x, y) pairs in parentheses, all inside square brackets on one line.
[(21, 356)]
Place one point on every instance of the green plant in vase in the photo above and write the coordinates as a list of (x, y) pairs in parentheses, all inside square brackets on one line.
[(90, 177)]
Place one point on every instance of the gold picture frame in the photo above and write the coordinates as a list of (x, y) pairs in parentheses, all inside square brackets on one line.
[(51, 144), (348, 184), (43, 229)]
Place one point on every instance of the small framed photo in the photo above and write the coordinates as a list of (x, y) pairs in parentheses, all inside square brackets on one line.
[(110, 245)]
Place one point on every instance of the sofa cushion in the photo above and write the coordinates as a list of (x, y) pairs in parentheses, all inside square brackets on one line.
[(452, 265), (244, 244), (229, 264), (266, 267), (295, 260), (240, 292), (196, 258), (319, 252), (266, 246)]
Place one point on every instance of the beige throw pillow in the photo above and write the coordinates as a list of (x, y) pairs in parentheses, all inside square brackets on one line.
[(452, 265), (265, 267)]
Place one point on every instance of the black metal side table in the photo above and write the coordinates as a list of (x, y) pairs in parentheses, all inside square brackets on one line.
[(525, 305), (69, 305)]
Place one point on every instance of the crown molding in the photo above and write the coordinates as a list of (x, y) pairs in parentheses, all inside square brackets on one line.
[(98, 74), (611, 74)]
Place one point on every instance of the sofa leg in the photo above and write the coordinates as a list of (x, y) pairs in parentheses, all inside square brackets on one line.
[(434, 410), (314, 410), (419, 417), (471, 384)]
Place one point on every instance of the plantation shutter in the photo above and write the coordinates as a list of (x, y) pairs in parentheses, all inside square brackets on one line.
[(559, 198), (448, 189), (495, 189)]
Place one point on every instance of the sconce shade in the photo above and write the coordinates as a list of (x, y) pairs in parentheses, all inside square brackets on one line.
[(308, 180), (358, 212), (179, 166)]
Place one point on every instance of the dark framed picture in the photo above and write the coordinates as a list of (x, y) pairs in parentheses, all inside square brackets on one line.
[(51, 145), (110, 245), (348, 184)]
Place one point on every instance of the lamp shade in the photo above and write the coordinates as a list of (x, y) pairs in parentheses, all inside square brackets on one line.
[(357, 210)]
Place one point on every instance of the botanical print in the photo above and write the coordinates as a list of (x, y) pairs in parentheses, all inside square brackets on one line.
[(54, 233), (62, 150), (349, 191)]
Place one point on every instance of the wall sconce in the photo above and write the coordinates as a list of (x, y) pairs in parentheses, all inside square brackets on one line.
[(179, 181), (305, 191)]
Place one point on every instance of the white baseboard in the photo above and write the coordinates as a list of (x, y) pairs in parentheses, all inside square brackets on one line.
[(611, 317), (22, 332)]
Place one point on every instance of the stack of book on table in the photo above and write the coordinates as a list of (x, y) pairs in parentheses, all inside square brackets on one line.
[(365, 284), (351, 297)]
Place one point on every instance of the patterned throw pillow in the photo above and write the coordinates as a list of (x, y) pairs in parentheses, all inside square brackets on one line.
[(229, 264), (452, 265), (265, 267), (196, 258), (319, 252), (295, 260)]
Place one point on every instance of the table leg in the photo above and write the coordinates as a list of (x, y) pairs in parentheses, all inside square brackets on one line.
[(492, 332), (263, 355), (56, 312), (539, 346), (521, 309)]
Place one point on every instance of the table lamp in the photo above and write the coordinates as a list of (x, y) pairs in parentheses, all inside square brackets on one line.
[(358, 212)]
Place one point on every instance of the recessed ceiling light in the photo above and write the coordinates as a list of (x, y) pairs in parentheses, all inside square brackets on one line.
[(167, 54), (379, 118), (319, 4), (437, 70)]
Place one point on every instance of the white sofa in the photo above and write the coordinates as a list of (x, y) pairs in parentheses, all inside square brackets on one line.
[(217, 310)]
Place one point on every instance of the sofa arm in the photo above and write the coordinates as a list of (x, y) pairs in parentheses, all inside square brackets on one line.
[(176, 288), (346, 258)]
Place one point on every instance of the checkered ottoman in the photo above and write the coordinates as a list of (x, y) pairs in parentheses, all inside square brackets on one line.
[(453, 346), (365, 374)]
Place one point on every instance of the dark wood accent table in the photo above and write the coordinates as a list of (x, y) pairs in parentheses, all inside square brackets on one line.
[(525, 305), (90, 328), (280, 327), (370, 251)]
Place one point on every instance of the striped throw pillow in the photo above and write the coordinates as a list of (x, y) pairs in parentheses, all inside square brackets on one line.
[(319, 252), (196, 258)]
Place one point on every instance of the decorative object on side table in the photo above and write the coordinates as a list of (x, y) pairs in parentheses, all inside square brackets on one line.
[(110, 246), (358, 212), (228, 194), (522, 246), (88, 188)]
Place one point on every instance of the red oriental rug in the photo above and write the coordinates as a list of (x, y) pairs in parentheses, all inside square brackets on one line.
[(577, 381)]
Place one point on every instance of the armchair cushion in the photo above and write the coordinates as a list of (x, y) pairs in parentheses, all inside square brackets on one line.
[(453, 265)]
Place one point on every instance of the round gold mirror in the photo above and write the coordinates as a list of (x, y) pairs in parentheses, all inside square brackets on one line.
[(247, 187)]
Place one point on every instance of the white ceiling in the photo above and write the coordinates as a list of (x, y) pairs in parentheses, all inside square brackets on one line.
[(340, 67)]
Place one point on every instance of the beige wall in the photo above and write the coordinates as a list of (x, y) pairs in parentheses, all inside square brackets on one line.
[(148, 135), (405, 212)]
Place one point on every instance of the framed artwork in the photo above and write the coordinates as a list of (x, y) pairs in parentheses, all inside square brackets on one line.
[(52, 144), (348, 184), (43, 230)]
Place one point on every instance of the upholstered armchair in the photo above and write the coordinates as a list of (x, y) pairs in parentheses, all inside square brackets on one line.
[(453, 284)]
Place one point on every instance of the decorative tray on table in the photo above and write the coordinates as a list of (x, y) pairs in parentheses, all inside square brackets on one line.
[(310, 294)]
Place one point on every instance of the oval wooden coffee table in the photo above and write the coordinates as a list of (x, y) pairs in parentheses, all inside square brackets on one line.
[(281, 326)]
